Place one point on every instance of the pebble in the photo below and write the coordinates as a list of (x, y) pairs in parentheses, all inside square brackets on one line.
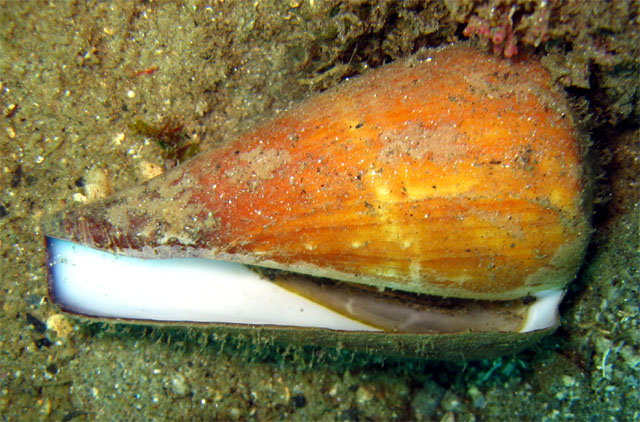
[(60, 325), (97, 184)]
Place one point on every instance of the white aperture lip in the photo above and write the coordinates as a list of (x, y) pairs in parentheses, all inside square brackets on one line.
[(544, 312), (101, 284)]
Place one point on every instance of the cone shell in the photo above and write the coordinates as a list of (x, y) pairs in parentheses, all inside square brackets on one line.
[(451, 173)]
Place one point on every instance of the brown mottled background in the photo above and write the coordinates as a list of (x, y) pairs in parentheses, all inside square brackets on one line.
[(85, 89)]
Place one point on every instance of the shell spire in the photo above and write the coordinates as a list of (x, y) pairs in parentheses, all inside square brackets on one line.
[(454, 173)]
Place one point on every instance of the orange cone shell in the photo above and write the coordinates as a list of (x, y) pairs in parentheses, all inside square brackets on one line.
[(455, 173)]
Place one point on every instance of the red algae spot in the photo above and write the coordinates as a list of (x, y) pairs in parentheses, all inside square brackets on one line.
[(146, 72)]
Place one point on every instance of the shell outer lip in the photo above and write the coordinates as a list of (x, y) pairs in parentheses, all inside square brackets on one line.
[(65, 256)]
